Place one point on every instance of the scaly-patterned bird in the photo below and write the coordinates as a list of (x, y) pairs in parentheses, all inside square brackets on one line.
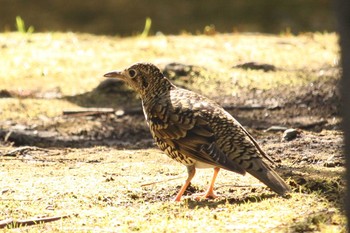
[(196, 131)]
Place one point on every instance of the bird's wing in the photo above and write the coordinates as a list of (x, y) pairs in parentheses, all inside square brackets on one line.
[(257, 145), (188, 132)]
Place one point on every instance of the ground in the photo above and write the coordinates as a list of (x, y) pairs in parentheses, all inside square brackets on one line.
[(103, 171)]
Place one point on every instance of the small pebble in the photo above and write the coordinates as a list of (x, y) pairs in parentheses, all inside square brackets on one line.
[(329, 164), (290, 134)]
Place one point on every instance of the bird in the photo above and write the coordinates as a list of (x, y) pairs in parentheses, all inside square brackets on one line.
[(196, 131)]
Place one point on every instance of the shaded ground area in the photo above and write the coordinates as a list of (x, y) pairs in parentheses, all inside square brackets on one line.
[(314, 107), (100, 168)]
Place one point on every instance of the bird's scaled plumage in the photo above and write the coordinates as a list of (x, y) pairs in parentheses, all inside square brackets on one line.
[(196, 131)]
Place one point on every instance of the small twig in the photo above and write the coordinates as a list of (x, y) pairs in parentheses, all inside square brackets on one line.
[(7, 136), (6, 222), (157, 182), (295, 160), (101, 111), (24, 200), (88, 111), (241, 186), (251, 107), (276, 128), (10, 223), (22, 150), (246, 107), (132, 111)]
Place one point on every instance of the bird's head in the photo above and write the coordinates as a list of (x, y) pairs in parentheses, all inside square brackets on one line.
[(142, 77)]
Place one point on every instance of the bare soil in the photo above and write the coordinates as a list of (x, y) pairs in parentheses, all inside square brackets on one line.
[(103, 169)]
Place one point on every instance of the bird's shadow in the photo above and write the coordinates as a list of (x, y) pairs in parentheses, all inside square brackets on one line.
[(305, 180), (212, 204)]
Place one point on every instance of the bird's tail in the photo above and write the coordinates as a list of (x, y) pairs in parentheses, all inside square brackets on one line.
[(268, 176)]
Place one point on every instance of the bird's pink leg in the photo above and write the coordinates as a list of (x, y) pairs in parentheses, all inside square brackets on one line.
[(210, 192), (191, 171)]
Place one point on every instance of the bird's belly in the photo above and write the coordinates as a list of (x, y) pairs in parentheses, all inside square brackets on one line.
[(179, 157), (199, 164), (176, 155)]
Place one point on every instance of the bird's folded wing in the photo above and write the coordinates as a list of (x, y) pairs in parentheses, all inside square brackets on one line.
[(192, 136), (257, 145)]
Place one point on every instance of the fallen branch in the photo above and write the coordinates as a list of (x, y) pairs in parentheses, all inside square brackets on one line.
[(137, 111), (247, 107), (240, 186), (10, 223), (252, 107), (89, 111), (22, 150), (276, 128), (101, 111)]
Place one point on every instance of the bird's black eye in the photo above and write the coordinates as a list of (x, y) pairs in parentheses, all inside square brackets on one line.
[(132, 73)]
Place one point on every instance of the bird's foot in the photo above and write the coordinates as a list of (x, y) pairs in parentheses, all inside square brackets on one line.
[(177, 199), (205, 195)]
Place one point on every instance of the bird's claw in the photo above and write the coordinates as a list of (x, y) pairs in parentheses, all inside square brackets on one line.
[(206, 195)]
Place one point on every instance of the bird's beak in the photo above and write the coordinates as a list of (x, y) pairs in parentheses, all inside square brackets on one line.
[(114, 74)]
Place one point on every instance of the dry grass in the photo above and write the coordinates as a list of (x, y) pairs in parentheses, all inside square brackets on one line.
[(101, 187), (75, 63)]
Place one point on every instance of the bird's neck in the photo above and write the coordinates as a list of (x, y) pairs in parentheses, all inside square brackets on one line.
[(157, 93)]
